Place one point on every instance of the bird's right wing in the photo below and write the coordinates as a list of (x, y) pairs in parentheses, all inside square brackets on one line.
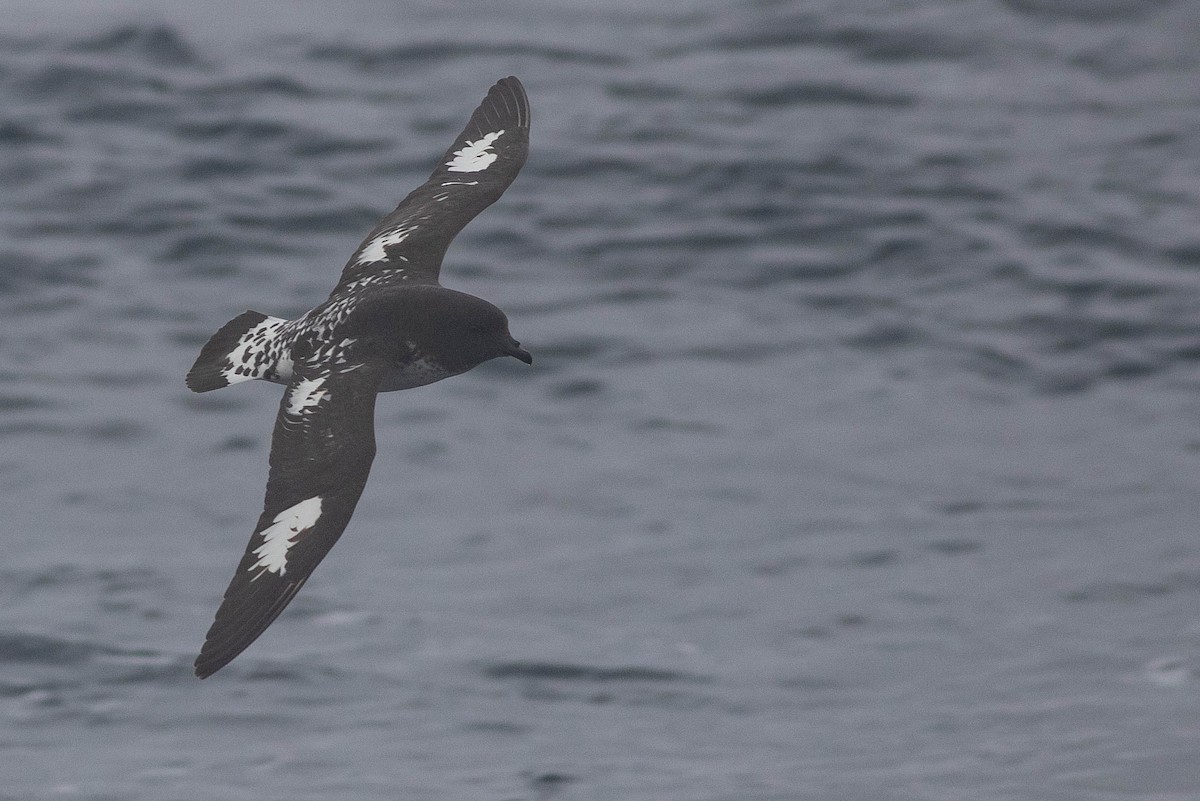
[(408, 244), (321, 453)]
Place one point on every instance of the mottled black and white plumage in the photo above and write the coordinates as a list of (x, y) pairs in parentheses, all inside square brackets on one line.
[(387, 325)]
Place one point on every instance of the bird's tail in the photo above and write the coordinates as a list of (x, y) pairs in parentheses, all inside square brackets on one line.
[(240, 351)]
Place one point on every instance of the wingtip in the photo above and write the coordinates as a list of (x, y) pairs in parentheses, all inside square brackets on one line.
[(207, 664), (515, 91)]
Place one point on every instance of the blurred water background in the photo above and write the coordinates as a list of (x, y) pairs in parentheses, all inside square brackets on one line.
[(859, 458)]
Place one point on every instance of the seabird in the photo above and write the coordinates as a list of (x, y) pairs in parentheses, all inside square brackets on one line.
[(387, 325)]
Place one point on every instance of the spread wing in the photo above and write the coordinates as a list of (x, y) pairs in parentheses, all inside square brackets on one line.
[(408, 244), (321, 453)]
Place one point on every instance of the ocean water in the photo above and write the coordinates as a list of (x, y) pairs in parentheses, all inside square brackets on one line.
[(859, 459)]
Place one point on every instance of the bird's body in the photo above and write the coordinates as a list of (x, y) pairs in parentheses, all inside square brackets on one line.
[(387, 325)]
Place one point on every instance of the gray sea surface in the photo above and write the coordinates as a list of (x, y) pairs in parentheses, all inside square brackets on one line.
[(859, 459)]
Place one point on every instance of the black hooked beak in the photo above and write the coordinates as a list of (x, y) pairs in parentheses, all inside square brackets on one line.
[(515, 350)]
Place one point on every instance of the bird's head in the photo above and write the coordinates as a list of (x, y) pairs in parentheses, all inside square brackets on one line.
[(460, 331), (481, 330)]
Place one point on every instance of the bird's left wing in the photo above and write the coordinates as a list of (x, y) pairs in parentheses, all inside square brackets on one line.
[(408, 244), (321, 453)]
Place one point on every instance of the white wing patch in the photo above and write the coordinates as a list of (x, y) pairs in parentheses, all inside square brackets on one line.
[(280, 537), (305, 395), (376, 249), (475, 156)]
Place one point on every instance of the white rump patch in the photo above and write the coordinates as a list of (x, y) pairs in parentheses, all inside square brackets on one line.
[(475, 156), (376, 249), (280, 537), (305, 395)]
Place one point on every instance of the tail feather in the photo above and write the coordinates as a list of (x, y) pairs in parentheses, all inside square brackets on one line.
[(238, 352)]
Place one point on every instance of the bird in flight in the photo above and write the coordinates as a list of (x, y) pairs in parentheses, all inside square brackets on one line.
[(387, 325)]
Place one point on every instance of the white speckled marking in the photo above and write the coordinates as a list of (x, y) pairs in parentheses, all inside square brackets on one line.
[(305, 395), (376, 249), (474, 157), (283, 370), (253, 341), (279, 538), (341, 349)]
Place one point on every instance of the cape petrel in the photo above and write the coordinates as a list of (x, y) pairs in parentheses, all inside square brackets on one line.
[(387, 325)]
